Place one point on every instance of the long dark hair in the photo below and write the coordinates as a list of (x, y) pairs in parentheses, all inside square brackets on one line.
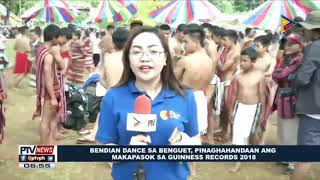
[(168, 78)]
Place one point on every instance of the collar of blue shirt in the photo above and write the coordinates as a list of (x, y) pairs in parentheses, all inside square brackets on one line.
[(165, 92)]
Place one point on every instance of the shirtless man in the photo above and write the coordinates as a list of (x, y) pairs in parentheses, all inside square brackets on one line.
[(106, 46), (35, 37), (23, 55), (48, 87), (113, 65), (62, 54), (110, 29), (111, 72), (249, 101), (227, 66), (211, 49), (216, 36), (210, 44), (135, 24), (176, 44), (166, 31), (195, 71), (266, 64), (248, 39), (64, 42)]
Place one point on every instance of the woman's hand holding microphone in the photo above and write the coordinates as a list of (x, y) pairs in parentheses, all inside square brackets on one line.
[(140, 139), (177, 138), (180, 138)]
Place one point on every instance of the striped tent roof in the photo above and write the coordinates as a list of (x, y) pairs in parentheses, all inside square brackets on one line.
[(114, 11), (51, 11), (176, 12), (268, 14)]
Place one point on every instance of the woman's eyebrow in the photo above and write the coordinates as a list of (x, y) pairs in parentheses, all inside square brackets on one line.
[(136, 46), (150, 46), (153, 45)]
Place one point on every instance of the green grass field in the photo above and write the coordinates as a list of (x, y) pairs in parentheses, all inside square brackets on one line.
[(10, 51)]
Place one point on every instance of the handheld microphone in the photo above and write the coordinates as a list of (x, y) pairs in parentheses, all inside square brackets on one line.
[(141, 121), (142, 105)]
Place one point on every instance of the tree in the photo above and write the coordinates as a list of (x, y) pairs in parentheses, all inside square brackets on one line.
[(8, 4), (258, 3), (241, 5), (14, 6), (218, 4), (237, 5), (94, 3)]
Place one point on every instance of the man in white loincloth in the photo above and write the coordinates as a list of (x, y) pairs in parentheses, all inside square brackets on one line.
[(249, 101), (226, 68), (195, 71), (211, 49)]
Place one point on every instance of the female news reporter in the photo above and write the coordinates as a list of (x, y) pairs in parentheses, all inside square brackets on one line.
[(148, 70)]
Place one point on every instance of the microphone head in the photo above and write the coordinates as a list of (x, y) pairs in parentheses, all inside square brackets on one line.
[(142, 105)]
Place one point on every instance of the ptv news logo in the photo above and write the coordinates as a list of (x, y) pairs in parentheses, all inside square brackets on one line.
[(36, 150)]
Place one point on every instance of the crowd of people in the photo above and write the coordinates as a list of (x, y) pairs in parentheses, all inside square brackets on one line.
[(211, 83)]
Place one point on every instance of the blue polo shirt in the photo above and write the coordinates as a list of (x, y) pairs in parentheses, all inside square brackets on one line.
[(172, 111)]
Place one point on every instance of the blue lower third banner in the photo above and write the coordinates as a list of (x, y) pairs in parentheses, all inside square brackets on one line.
[(221, 153)]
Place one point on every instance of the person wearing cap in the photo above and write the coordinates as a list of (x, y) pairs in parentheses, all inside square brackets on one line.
[(287, 128), (307, 83), (297, 29)]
